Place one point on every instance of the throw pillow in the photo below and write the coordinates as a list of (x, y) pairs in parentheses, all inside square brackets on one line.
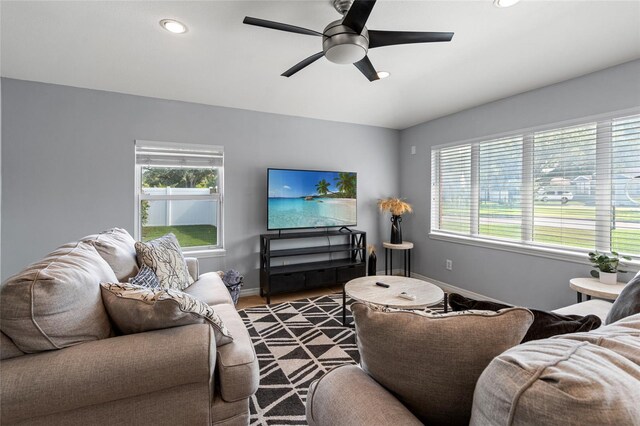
[(164, 256), (545, 324), (146, 278), (118, 249), (136, 309), (628, 303), (55, 302), (431, 362)]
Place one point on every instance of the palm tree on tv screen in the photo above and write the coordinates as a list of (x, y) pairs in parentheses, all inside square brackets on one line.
[(346, 183), (323, 187)]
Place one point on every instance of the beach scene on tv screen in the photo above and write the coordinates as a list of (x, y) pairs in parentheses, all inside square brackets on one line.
[(311, 199)]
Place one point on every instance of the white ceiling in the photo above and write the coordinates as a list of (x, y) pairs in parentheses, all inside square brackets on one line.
[(495, 53)]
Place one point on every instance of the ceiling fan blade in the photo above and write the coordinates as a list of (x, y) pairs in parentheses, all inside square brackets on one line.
[(366, 67), (279, 26), (300, 65), (358, 14), (388, 38)]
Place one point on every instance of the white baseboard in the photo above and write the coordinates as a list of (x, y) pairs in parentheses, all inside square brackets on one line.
[(453, 289), (249, 292), (444, 286)]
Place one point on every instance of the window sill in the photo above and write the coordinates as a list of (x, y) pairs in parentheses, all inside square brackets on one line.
[(532, 250), (201, 254)]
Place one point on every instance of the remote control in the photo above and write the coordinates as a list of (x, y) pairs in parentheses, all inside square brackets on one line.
[(382, 284), (407, 296)]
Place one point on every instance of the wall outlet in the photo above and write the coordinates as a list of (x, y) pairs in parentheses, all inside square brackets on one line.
[(449, 265), (413, 150)]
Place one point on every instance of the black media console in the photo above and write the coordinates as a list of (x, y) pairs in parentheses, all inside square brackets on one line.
[(345, 259)]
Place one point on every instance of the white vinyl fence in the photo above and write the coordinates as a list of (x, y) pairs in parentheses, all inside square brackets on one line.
[(181, 212)]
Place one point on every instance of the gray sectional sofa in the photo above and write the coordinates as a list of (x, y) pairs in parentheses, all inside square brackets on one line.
[(573, 379), (62, 363)]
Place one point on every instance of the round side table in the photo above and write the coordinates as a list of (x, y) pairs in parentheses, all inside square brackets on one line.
[(406, 247), (593, 287)]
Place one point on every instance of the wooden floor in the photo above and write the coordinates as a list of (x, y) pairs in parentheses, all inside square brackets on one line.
[(250, 301)]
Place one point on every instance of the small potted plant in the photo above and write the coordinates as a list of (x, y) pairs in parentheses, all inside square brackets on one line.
[(607, 266), (397, 208)]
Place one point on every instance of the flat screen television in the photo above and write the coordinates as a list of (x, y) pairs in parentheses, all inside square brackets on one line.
[(311, 199)]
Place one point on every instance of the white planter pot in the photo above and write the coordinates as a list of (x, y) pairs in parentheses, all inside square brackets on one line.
[(608, 277)]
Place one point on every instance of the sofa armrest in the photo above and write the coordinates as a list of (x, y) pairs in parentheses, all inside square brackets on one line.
[(597, 307), (107, 370), (193, 267), (346, 395), (237, 368)]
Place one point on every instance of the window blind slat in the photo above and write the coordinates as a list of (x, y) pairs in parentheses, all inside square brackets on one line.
[(161, 155), (500, 175)]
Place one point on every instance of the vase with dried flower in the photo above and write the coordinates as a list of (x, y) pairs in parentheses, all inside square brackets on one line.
[(371, 267), (397, 208)]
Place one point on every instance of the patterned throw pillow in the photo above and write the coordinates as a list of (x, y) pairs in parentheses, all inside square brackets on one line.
[(146, 278), (429, 313), (164, 256), (136, 309)]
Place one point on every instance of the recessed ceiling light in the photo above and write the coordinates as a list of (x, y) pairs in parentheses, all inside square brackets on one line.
[(173, 26), (383, 74), (504, 3)]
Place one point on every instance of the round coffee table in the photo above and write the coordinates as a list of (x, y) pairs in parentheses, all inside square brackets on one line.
[(365, 289)]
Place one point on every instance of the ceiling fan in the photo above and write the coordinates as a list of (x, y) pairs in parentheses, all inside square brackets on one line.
[(347, 40)]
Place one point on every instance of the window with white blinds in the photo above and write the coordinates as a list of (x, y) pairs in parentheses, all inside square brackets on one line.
[(179, 190), (571, 188), (453, 206), (564, 210)]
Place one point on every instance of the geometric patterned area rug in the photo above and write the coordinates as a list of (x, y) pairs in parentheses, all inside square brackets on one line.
[(296, 343)]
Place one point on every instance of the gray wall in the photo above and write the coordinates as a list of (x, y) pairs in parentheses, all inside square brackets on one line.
[(516, 278), (0, 176), (68, 165)]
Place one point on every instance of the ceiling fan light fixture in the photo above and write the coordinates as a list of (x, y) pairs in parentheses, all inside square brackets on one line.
[(504, 3), (345, 53), (383, 74), (173, 26), (342, 45)]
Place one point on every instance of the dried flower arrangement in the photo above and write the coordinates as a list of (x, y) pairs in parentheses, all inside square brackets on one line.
[(395, 206)]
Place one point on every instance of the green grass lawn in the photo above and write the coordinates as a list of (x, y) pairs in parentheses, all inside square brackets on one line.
[(627, 241), (455, 219), (623, 240), (573, 209), (187, 235)]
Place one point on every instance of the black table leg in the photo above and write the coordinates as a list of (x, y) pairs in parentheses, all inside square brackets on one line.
[(409, 274), (386, 260), (446, 303), (579, 297), (390, 262), (405, 263)]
